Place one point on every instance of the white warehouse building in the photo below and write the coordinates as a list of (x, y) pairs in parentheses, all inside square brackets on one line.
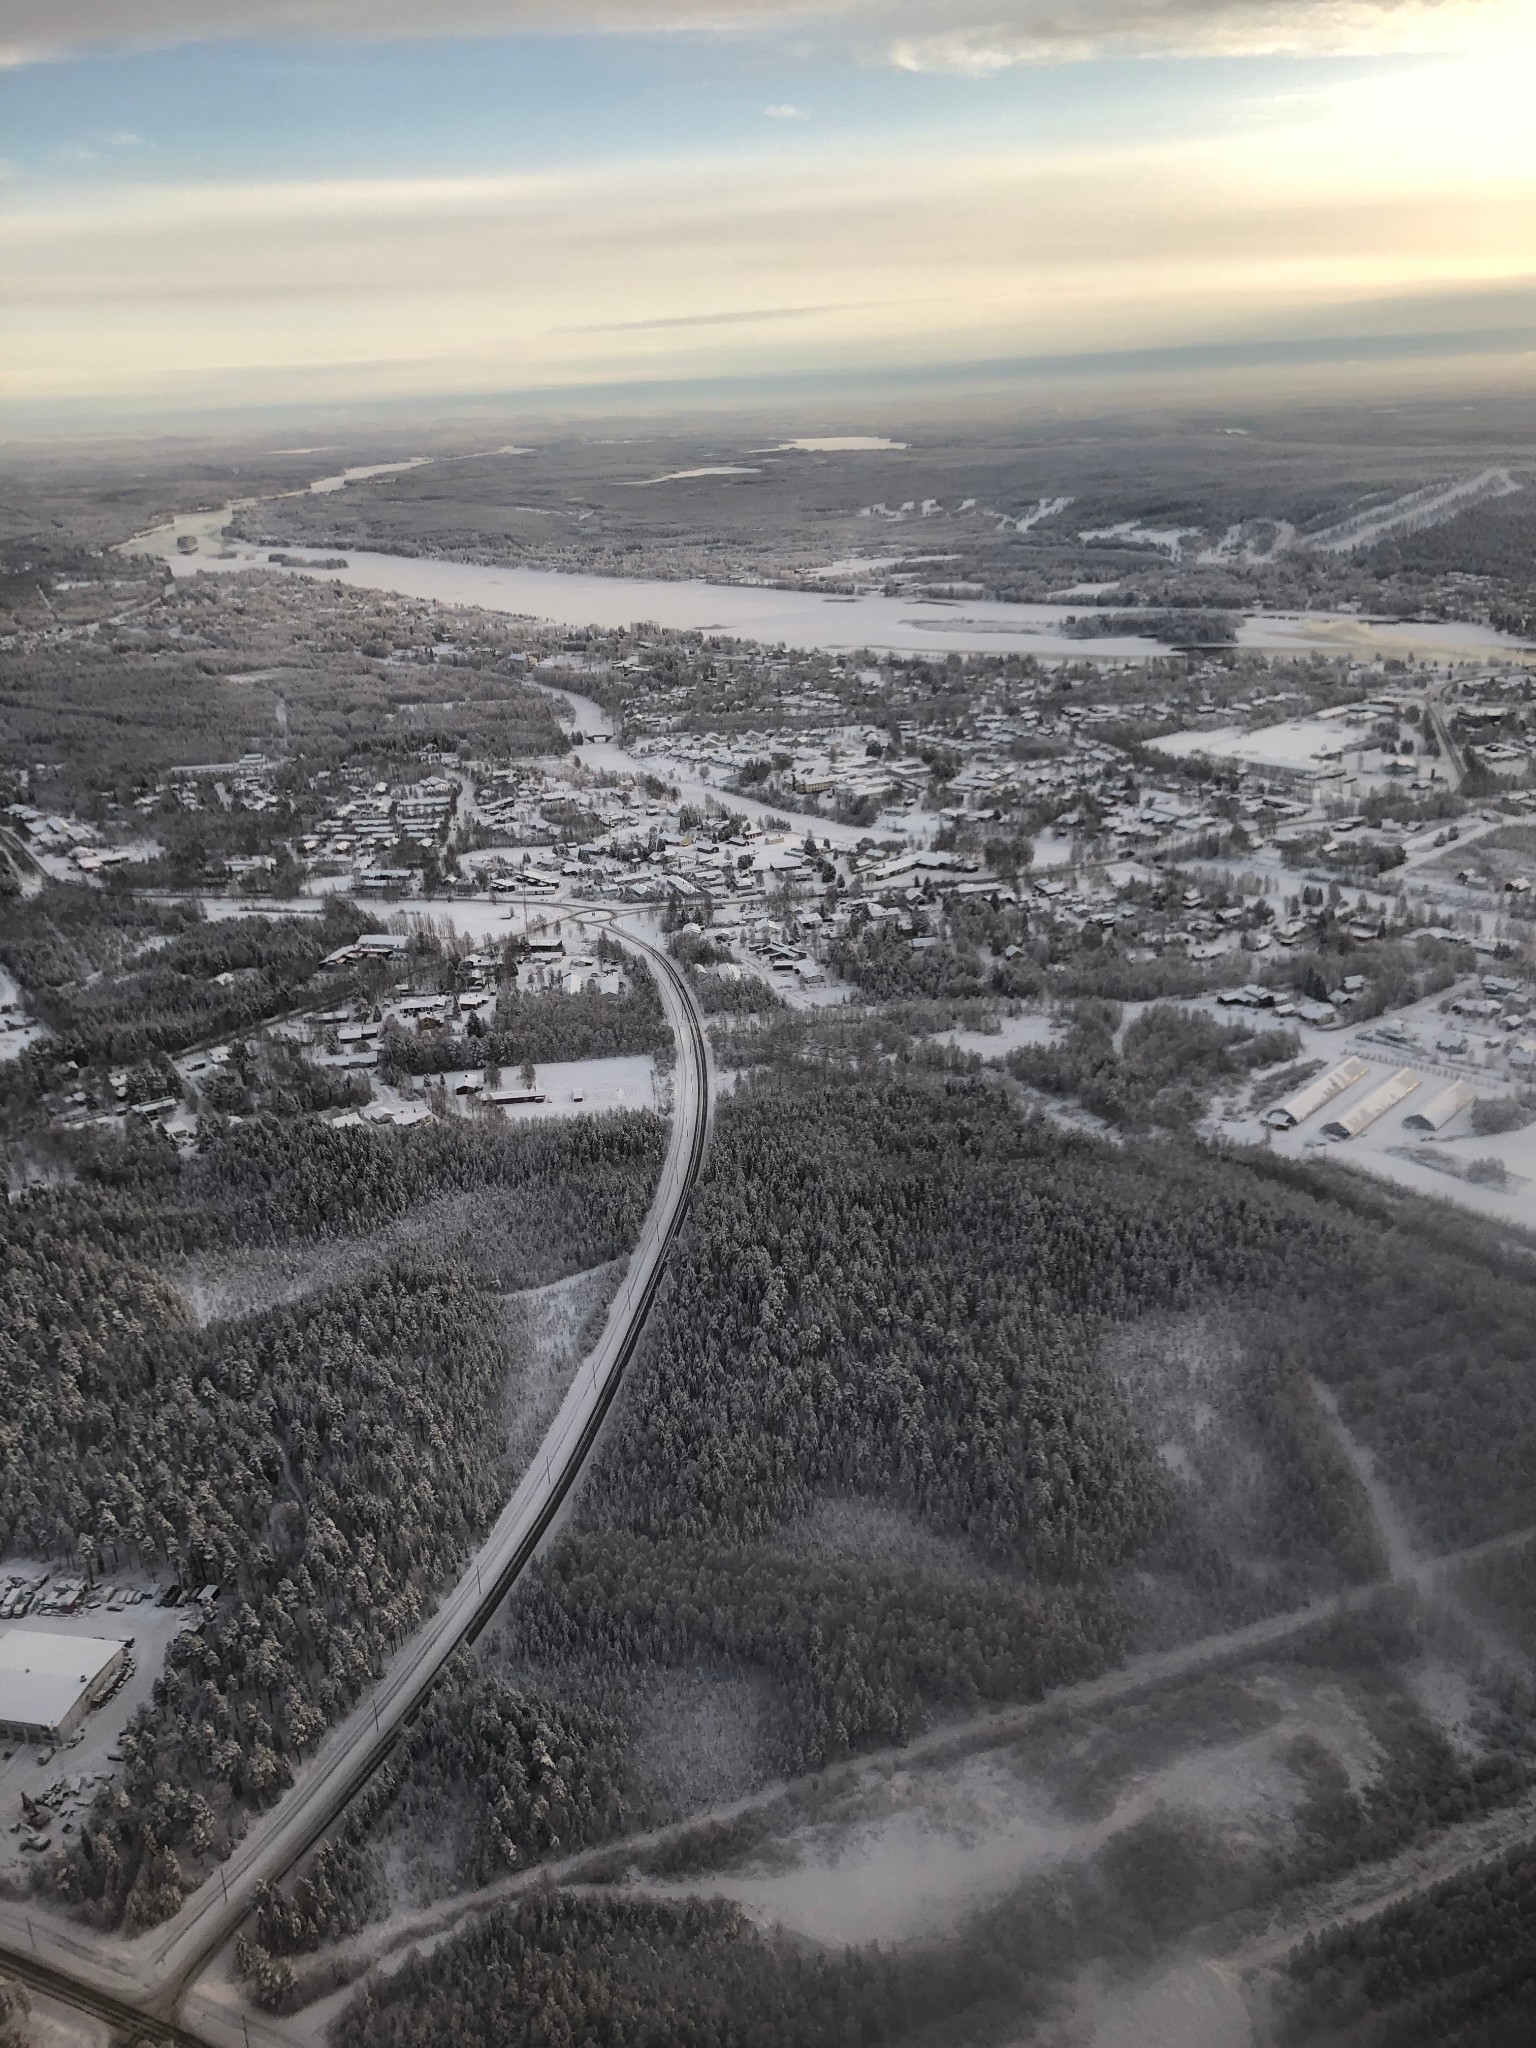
[(1370, 1108), (1309, 1100), (49, 1683)]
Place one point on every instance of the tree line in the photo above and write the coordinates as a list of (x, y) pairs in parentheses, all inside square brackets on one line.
[(1161, 1069)]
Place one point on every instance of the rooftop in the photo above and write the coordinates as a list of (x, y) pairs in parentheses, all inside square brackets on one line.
[(42, 1675)]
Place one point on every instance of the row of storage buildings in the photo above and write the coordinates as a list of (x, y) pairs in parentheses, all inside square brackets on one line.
[(1433, 1114)]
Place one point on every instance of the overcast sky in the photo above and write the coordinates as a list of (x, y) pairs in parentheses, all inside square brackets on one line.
[(209, 201)]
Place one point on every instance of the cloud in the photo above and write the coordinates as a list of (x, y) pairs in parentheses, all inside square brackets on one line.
[(91, 148), (786, 113), (967, 36), (40, 29), (750, 316), (758, 262), (978, 41)]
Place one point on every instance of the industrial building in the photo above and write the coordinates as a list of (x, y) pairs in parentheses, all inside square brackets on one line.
[(1436, 1114), (1395, 1089), (1295, 1109), (49, 1683)]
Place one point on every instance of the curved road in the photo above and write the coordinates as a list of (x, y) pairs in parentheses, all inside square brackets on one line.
[(124, 1980)]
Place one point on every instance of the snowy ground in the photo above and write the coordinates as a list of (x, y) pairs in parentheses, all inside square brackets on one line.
[(1195, 2004), (936, 1840), (17, 1029), (215, 907), (59, 2026), (576, 1087), (1031, 1027), (1429, 506), (1053, 849), (1397, 1156), (1294, 743)]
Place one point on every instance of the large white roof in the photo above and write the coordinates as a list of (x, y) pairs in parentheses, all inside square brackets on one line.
[(43, 1674)]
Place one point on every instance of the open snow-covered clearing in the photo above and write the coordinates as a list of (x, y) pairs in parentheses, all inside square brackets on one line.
[(1043, 508), (939, 1843), (17, 1029), (1029, 1028), (914, 1850), (1254, 541), (482, 1227), (1294, 743), (578, 1087), (1194, 2004), (59, 2026), (551, 1329)]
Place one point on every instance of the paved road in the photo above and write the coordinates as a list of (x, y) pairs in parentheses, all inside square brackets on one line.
[(150, 1973)]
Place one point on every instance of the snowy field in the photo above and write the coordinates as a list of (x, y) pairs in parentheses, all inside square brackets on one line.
[(17, 1029), (574, 1087), (1029, 1028), (1294, 743)]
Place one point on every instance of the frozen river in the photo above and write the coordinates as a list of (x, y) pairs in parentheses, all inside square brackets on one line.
[(804, 620)]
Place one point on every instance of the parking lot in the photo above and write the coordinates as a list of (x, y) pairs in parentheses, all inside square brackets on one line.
[(61, 1783)]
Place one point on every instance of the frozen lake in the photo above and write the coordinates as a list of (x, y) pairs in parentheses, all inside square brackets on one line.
[(809, 621), (805, 620)]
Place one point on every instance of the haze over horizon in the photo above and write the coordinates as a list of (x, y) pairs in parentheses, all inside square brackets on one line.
[(354, 203)]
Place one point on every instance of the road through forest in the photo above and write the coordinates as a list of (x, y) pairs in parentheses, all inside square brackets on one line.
[(148, 1974)]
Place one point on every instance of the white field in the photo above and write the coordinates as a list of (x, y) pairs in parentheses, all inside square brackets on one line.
[(16, 1038), (683, 476), (1029, 1028), (58, 2026), (577, 1087), (942, 1839), (1294, 743), (1193, 2004), (835, 444)]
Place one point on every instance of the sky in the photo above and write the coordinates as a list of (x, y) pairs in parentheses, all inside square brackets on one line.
[(241, 203)]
